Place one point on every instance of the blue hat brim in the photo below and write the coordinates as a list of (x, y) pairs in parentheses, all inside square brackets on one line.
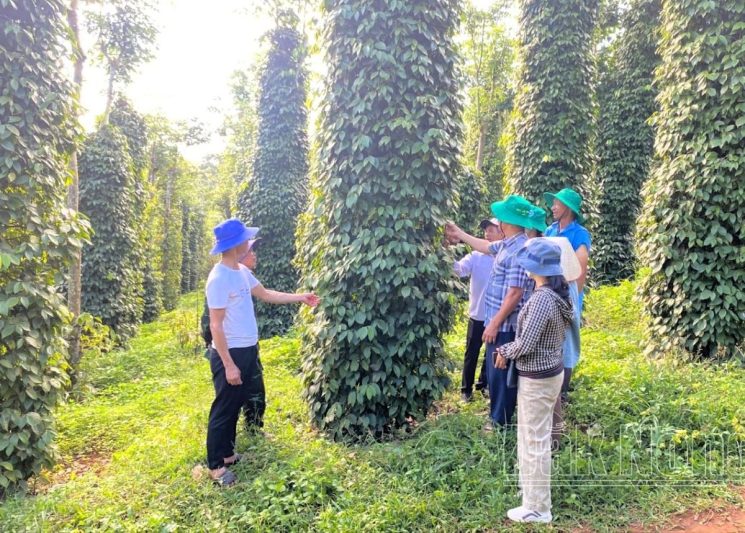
[(247, 235), (535, 267)]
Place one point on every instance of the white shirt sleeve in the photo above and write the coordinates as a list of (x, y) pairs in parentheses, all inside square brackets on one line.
[(217, 294), (252, 281), (464, 267)]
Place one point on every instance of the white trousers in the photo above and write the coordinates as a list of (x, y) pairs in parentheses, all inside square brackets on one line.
[(535, 407)]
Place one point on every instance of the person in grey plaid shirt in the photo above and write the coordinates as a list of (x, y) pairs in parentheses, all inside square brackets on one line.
[(537, 352), (508, 289)]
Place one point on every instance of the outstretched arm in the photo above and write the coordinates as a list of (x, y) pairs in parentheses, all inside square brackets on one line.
[(455, 234), (276, 297)]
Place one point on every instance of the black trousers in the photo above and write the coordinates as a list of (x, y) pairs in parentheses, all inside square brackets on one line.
[(229, 399), (471, 357), (253, 409)]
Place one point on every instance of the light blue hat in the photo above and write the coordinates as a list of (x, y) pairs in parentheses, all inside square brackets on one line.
[(540, 256)]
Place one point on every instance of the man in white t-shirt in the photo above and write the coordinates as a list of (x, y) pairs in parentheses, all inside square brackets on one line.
[(236, 368), (478, 266)]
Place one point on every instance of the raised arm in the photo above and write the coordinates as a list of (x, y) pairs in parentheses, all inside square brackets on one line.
[(276, 297), (455, 234)]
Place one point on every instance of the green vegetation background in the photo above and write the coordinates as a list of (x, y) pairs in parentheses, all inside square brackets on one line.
[(132, 436)]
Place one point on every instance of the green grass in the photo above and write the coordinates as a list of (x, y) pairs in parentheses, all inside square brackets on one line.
[(648, 438)]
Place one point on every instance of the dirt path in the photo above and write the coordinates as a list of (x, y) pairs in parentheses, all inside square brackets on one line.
[(70, 469), (721, 517)]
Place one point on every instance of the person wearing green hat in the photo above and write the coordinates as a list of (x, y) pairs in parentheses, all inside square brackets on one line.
[(537, 225), (508, 289), (566, 207)]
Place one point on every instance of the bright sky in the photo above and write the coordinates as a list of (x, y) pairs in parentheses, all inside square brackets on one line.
[(199, 45)]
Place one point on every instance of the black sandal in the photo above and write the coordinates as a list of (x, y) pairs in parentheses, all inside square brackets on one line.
[(227, 479)]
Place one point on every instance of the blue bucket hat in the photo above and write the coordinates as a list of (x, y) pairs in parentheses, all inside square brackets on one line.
[(231, 233), (540, 256)]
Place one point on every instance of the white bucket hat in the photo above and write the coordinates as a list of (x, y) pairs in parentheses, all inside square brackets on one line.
[(569, 263)]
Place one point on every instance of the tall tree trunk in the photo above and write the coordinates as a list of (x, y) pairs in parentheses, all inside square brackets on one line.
[(109, 98), (480, 148), (74, 283)]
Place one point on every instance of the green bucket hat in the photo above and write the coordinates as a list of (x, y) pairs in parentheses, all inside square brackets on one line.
[(516, 210), (568, 197), (538, 219)]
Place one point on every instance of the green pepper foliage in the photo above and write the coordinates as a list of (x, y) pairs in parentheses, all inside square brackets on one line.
[(147, 223), (554, 103), (192, 237), (107, 196), (473, 201), (150, 240), (371, 241), (625, 140), (134, 128), (168, 175), (39, 235), (172, 253), (691, 229), (132, 125), (277, 191)]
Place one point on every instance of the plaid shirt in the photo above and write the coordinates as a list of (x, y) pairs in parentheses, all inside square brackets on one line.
[(506, 273), (537, 348)]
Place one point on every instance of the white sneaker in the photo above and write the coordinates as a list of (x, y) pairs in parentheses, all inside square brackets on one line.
[(521, 514)]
